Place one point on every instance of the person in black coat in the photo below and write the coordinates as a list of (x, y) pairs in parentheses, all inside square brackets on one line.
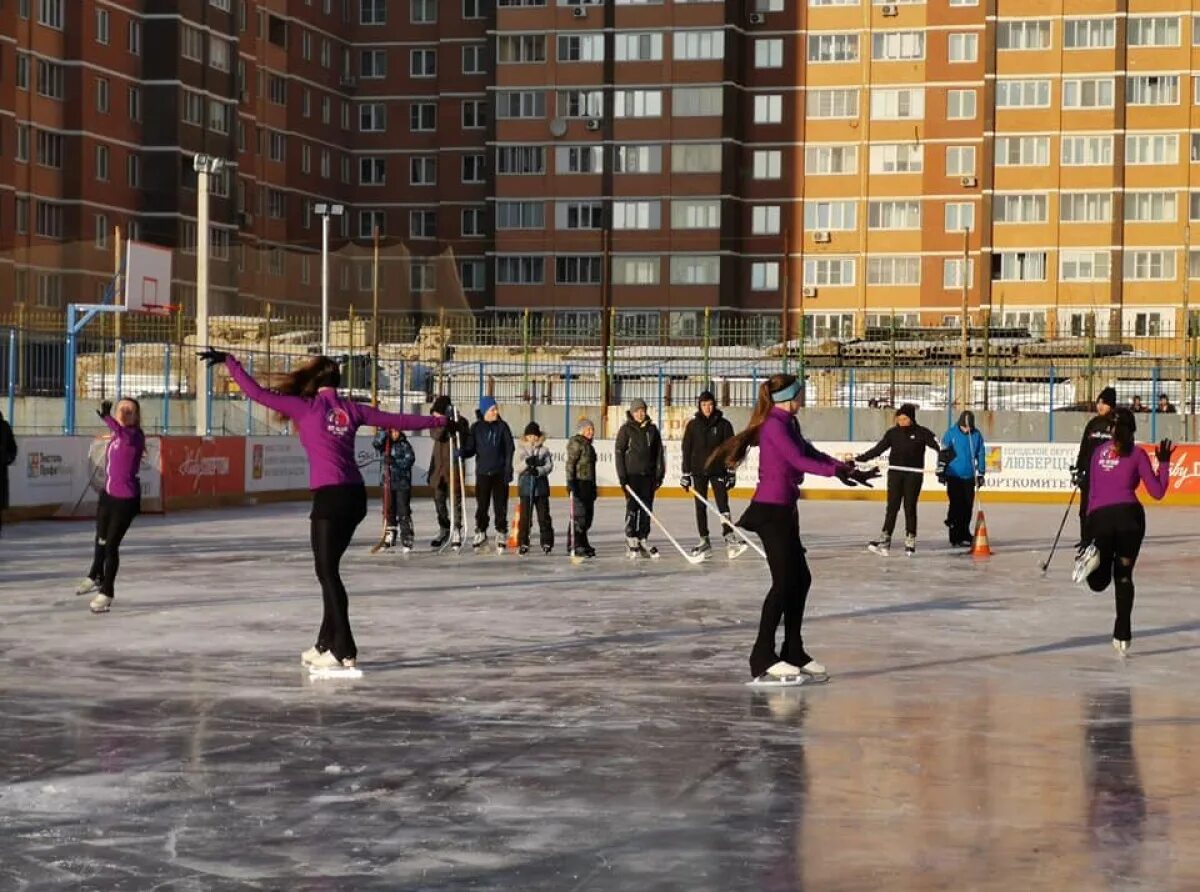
[(1097, 431), (493, 447), (8, 455), (449, 443), (707, 430), (641, 466), (906, 444)]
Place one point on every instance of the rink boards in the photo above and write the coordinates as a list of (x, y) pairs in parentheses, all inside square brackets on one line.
[(203, 472)]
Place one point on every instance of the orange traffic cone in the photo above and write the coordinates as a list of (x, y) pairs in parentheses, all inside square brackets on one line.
[(513, 538), (980, 547)]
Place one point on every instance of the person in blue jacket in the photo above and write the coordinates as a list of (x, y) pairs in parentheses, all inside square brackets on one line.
[(493, 450), (395, 476), (961, 464)]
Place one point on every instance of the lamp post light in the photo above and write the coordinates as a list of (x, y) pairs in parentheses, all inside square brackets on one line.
[(205, 166), (325, 211)]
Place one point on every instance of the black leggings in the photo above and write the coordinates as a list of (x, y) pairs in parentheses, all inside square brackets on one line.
[(336, 513), (779, 528), (1118, 532), (961, 494), (491, 489), (113, 517), (903, 486), (700, 483)]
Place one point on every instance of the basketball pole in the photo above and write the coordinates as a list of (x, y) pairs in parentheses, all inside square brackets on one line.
[(118, 298)]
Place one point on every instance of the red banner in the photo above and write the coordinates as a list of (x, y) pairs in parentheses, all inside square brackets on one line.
[(203, 466)]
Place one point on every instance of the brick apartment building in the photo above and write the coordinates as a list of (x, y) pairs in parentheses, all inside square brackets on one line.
[(655, 157)]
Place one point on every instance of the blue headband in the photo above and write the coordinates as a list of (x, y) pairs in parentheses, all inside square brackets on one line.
[(788, 393)]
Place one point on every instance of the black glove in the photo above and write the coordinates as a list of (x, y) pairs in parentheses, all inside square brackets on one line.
[(979, 481), (1164, 450), (941, 476), (686, 481), (622, 482), (212, 357), (571, 487), (658, 484), (1078, 477), (105, 409), (730, 480), (852, 476), (532, 464)]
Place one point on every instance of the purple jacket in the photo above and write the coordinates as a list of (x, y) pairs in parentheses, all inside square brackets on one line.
[(1114, 478), (784, 457), (326, 424), (123, 460)]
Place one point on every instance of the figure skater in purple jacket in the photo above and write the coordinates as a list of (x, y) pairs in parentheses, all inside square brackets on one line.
[(120, 501), (326, 424), (784, 457)]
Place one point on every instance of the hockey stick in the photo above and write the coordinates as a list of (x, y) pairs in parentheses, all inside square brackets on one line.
[(387, 496), (691, 559), (1058, 535), (575, 559), (713, 508), (452, 447)]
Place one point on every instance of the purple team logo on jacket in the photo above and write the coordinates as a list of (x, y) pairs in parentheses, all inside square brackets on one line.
[(337, 422)]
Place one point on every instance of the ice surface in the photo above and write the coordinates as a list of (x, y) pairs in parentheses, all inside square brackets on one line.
[(525, 724)]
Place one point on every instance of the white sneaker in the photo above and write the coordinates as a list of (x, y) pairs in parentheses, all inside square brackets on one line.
[(309, 655), (101, 603), (87, 586), (1121, 647), (328, 661), (783, 669), (812, 667), (479, 539), (1088, 560)]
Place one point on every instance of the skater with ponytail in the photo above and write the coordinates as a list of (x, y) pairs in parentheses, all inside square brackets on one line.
[(784, 457), (326, 424), (1116, 520)]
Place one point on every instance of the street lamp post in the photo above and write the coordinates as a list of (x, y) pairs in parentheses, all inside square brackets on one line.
[(325, 211), (205, 166)]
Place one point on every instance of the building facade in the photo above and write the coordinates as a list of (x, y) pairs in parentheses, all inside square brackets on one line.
[(852, 161)]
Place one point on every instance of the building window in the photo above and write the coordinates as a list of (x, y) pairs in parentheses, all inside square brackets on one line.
[(520, 159), (50, 13), (695, 102), (637, 103), (636, 215), (1156, 148), (1019, 266), (520, 48), (372, 172), (49, 223), (960, 105), (897, 158), (422, 224), (1154, 89), (639, 46), (277, 146), (964, 47), (422, 170), (573, 270), (1091, 33), (1084, 266), (474, 59), (579, 159), (636, 270), (696, 158), (50, 290), (827, 215), (768, 109), (472, 9), (372, 117), (1153, 30), (474, 114), (1092, 92), (892, 214), (520, 270), (102, 95), (1019, 208), (580, 103), (960, 161), (696, 270), (768, 52), (473, 168), (372, 64), (837, 103), (894, 105), (276, 204), (422, 12), (520, 104), (1150, 265), (102, 29), (369, 221), (1024, 151), (960, 215), (102, 163), (637, 159), (1087, 150), (472, 222), (894, 271), (135, 37), (133, 171), (101, 231), (830, 271), (372, 12), (22, 215), (578, 215), (952, 273), (764, 276), (697, 45), (219, 116), (422, 63), (895, 46), (1022, 94), (1023, 35), (695, 214), (219, 54), (520, 215), (22, 74), (581, 48), (1085, 207), (473, 274), (191, 43), (832, 48), (326, 164), (422, 117), (49, 149), (764, 219), (1150, 207), (768, 164), (22, 154), (50, 80)]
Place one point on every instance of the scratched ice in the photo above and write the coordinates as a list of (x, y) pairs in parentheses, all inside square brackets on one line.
[(524, 724)]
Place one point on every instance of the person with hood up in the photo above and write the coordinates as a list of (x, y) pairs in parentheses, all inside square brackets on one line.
[(1117, 520), (533, 465), (443, 460), (1097, 432), (641, 466), (906, 443), (395, 476), (961, 464), (492, 444), (707, 430), (581, 485), (8, 455)]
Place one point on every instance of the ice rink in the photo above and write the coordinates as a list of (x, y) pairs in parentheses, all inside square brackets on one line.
[(525, 724)]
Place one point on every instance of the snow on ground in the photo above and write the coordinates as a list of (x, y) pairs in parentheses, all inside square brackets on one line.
[(526, 724)]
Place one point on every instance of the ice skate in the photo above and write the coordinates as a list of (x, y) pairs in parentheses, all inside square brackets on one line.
[(647, 551), (479, 540), (1088, 560), (881, 546), (456, 540), (500, 545), (1121, 647), (735, 546), (406, 543), (87, 586), (101, 603), (441, 538), (309, 655), (633, 548), (326, 665), (703, 548), (910, 546), (389, 537), (546, 549), (780, 674), (814, 669), (523, 550)]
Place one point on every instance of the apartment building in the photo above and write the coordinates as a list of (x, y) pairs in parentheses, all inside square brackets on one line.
[(856, 161)]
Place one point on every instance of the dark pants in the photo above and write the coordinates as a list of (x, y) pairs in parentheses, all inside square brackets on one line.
[(491, 489), (583, 509), (700, 483), (1084, 538), (1118, 532), (778, 526), (637, 521), (903, 486), (961, 493), (441, 503), (398, 509), (336, 513), (113, 517), (545, 526)]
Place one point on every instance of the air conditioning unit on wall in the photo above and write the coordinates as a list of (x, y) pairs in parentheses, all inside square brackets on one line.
[(821, 237), (968, 182), (593, 124), (580, 12), (756, 18), (808, 291), (891, 10)]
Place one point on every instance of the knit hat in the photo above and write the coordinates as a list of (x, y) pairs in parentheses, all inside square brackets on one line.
[(908, 409), (639, 403), (532, 429), (1109, 396), (487, 403), (440, 405), (706, 396), (584, 424)]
